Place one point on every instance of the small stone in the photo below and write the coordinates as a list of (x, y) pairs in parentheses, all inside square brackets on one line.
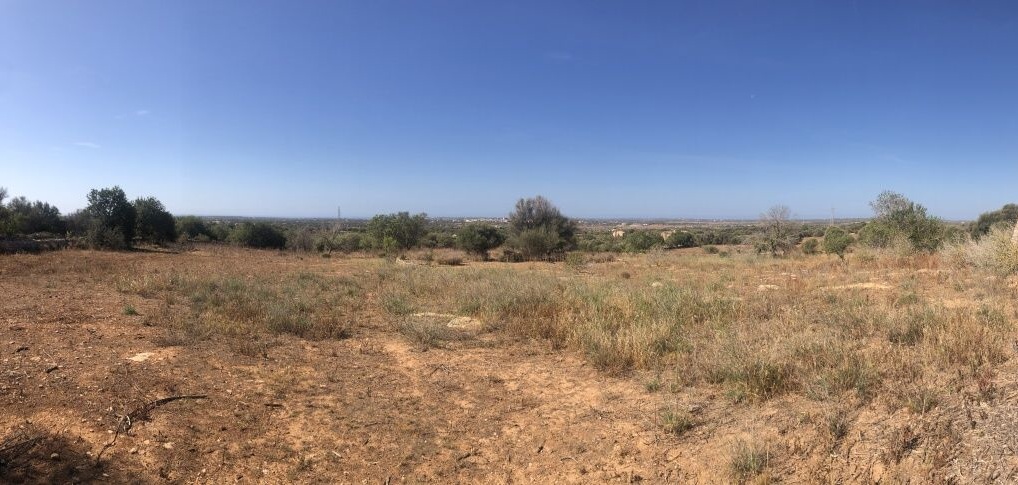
[(55, 456), (133, 450), (168, 445)]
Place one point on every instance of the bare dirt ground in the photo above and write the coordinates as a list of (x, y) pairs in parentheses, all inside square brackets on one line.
[(376, 408)]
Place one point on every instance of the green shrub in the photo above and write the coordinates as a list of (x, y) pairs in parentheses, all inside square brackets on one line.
[(640, 241), (478, 239), (836, 241), (532, 244), (1005, 215), (811, 246), (259, 235), (681, 239)]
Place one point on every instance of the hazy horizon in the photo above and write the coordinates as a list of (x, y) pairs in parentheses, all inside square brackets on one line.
[(695, 110)]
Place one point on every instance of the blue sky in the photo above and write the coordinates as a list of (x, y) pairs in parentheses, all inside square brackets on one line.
[(611, 109)]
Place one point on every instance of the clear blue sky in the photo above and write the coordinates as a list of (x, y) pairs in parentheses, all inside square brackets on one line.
[(627, 108)]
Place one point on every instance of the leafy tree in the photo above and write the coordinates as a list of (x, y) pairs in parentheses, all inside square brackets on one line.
[(479, 239), (836, 241), (259, 235), (155, 223), (110, 210), (26, 217), (898, 217), (397, 232), (1005, 215), (538, 229)]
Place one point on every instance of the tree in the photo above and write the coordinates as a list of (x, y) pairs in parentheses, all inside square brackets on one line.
[(111, 211), (898, 218), (836, 241), (24, 217), (155, 223), (1005, 215), (777, 237), (6, 225), (399, 231), (538, 229), (479, 239)]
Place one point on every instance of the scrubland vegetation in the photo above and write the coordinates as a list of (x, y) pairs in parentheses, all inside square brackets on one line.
[(787, 352)]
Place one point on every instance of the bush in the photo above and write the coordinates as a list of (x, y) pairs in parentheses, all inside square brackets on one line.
[(681, 239), (301, 240), (1007, 214), (811, 246), (639, 241), (439, 239), (110, 210), (540, 243), (994, 252), (259, 235), (399, 231), (155, 223), (191, 227), (478, 239), (836, 241), (100, 237)]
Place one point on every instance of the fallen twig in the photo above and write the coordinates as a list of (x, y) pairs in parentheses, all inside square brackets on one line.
[(140, 414)]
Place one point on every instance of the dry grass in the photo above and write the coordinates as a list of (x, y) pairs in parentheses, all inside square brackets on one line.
[(881, 332)]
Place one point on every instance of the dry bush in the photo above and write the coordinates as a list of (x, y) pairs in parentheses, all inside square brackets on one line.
[(994, 252)]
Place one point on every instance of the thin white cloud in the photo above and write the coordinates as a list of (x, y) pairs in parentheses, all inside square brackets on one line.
[(87, 144), (138, 113)]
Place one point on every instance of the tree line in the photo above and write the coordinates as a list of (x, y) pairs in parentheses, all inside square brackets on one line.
[(535, 230)]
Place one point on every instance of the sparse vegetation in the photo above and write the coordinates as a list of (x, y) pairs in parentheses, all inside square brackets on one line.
[(749, 459)]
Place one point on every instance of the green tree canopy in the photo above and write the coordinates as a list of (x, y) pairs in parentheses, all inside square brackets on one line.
[(111, 211), (155, 223), (398, 231), (538, 229), (479, 239)]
